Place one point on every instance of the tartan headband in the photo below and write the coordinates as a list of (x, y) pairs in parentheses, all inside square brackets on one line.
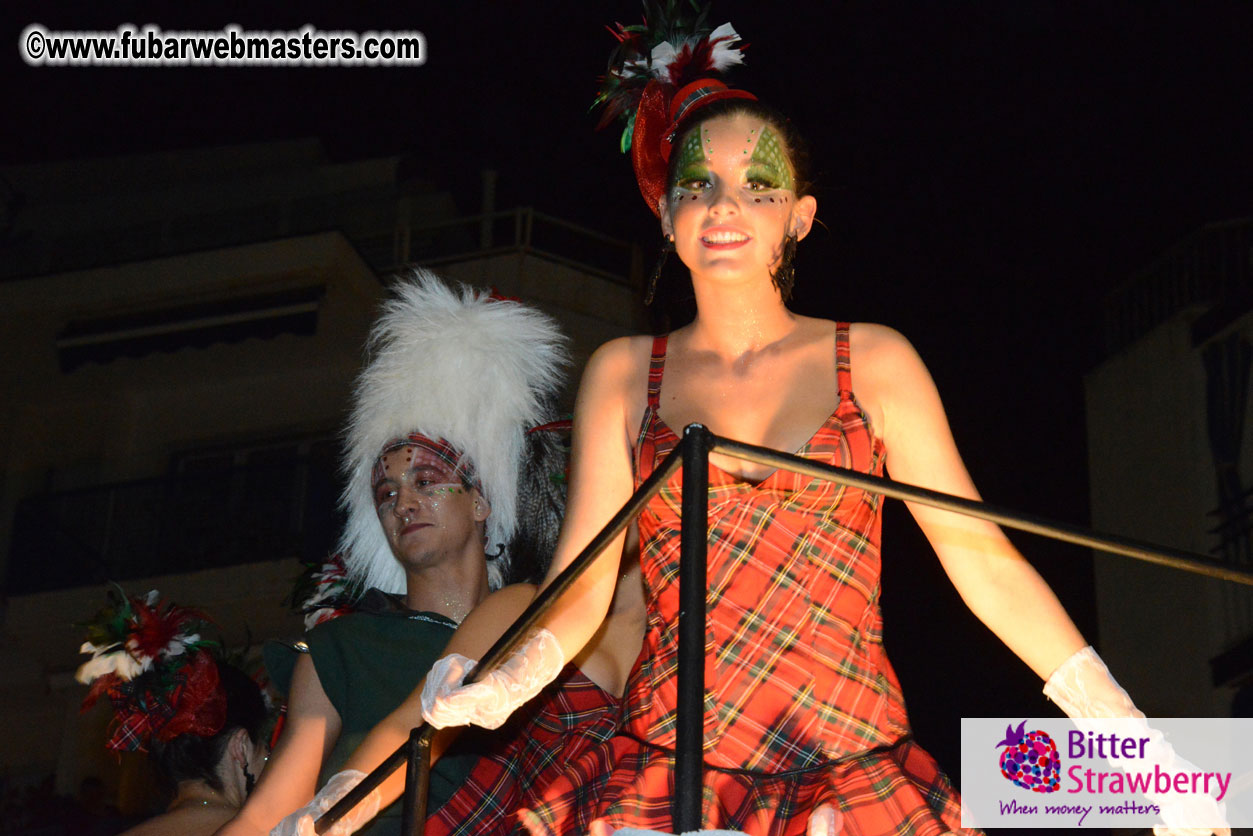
[(435, 451)]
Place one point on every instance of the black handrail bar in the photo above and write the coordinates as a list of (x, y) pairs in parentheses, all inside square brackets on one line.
[(1138, 549), (692, 453), (689, 727), (417, 781)]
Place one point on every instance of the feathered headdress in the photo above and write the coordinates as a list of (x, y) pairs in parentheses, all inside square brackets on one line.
[(324, 591), (660, 72), (148, 658), (457, 365)]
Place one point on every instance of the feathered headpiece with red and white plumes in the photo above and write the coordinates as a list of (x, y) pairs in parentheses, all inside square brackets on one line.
[(659, 73), (149, 659), (324, 591)]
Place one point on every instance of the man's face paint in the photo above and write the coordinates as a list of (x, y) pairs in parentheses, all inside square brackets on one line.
[(428, 509), (415, 469), (429, 467)]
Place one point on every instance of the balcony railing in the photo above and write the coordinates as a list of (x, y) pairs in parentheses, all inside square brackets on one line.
[(247, 514), (374, 219), (692, 455), (523, 229), (1212, 263)]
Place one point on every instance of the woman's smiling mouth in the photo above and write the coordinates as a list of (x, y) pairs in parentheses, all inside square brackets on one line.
[(724, 238)]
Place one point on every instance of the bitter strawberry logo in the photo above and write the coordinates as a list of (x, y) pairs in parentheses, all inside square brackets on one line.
[(1030, 759)]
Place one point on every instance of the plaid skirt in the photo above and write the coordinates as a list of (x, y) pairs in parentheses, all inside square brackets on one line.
[(569, 718), (566, 766), (896, 790)]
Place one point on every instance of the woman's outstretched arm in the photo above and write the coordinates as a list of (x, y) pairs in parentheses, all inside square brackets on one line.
[(994, 580), (601, 482)]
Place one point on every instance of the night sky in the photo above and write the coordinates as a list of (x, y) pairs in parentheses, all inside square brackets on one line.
[(987, 172)]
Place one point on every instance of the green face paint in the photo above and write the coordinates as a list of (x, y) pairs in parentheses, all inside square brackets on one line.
[(691, 165), (769, 162)]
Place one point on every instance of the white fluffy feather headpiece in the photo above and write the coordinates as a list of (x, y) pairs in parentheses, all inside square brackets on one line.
[(452, 364)]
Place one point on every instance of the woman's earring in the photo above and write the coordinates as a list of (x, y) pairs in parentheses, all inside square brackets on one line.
[(784, 276), (667, 247), (250, 780)]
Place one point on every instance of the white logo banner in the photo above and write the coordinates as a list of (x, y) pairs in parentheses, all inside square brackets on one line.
[(1053, 773)]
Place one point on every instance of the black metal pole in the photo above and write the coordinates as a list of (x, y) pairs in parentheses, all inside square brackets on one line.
[(380, 774), (1140, 550), (693, 552), (417, 783), (520, 627)]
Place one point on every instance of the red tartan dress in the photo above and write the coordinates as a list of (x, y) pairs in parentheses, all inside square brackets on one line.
[(802, 707), (532, 748)]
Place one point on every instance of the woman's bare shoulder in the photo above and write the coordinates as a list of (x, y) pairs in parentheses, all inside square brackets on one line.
[(868, 336), (883, 362), (874, 335), (622, 353), (877, 347), (618, 369)]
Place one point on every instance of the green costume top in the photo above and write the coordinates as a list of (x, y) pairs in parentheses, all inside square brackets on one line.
[(368, 662)]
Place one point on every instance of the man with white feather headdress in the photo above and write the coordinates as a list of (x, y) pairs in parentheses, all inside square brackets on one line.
[(449, 493)]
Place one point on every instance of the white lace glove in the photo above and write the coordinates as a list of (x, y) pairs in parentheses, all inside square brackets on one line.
[(825, 820), (489, 702), (1083, 688), (300, 823)]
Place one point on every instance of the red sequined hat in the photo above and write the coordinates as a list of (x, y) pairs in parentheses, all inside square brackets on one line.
[(661, 72)]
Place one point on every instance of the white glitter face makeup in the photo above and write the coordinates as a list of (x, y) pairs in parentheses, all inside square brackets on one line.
[(415, 468), (426, 510)]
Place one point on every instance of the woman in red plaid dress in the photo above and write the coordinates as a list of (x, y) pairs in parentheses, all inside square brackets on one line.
[(805, 727)]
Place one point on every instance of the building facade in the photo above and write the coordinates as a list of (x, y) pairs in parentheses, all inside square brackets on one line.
[(181, 332), (1168, 416)]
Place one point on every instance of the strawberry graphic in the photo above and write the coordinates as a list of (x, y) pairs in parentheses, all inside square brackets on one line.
[(1030, 759)]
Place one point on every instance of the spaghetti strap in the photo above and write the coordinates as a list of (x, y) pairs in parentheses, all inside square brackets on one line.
[(656, 367), (843, 364)]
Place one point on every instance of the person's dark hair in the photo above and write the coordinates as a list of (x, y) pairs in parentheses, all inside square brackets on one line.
[(541, 505), (798, 155), (189, 756)]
